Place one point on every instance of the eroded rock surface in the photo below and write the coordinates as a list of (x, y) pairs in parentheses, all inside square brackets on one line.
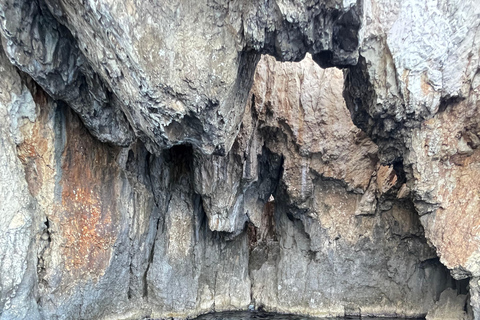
[(320, 196), (415, 92), (285, 221), (18, 219), (172, 189), (175, 72)]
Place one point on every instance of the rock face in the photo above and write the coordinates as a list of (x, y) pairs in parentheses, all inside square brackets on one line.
[(19, 223), (449, 306), (122, 232), (170, 73), (154, 164), (420, 103)]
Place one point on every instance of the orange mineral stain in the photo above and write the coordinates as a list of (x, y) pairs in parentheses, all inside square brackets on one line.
[(88, 216)]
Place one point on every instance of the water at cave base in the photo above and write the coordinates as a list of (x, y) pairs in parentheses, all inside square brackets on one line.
[(241, 315)]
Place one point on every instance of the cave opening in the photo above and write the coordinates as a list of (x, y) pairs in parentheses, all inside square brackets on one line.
[(331, 217), (180, 157)]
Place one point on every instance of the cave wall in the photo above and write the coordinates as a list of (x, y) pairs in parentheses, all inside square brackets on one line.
[(19, 223), (169, 72), (155, 164), (421, 109), (286, 221)]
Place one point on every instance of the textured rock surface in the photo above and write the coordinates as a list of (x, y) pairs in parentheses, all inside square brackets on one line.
[(100, 211), (333, 200), (124, 233), (450, 306), (273, 197), (178, 71), (18, 220), (415, 91)]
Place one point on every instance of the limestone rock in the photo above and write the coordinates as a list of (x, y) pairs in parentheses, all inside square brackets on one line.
[(450, 306), (172, 190), (45, 49), (415, 92), (175, 72), (330, 174), (415, 59), (312, 204), (18, 219), (124, 233)]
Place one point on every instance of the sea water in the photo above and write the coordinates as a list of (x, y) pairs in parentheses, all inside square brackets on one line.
[(275, 316)]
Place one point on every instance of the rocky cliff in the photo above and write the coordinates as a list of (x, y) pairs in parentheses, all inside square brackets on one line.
[(159, 160)]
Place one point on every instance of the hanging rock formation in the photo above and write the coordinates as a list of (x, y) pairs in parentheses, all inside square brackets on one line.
[(419, 102), (170, 73), (155, 164)]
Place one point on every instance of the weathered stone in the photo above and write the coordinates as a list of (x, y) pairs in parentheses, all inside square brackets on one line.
[(415, 92), (415, 59), (325, 184), (41, 47), (180, 72), (18, 219), (165, 235), (450, 306), (272, 197)]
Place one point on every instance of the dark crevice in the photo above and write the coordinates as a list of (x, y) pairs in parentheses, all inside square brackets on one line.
[(45, 240), (154, 238), (263, 239), (47, 229), (446, 102), (382, 127), (138, 170), (323, 58), (253, 109), (129, 292), (180, 160), (400, 172), (177, 163), (446, 281), (142, 166), (148, 170), (149, 261), (462, 286), (199, 224)]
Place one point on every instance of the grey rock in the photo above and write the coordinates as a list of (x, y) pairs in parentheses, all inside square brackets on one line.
[(415, 92), (174, 80), (43, 48), (450, 306), (130, 234), (19, 223), (174, 191)]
